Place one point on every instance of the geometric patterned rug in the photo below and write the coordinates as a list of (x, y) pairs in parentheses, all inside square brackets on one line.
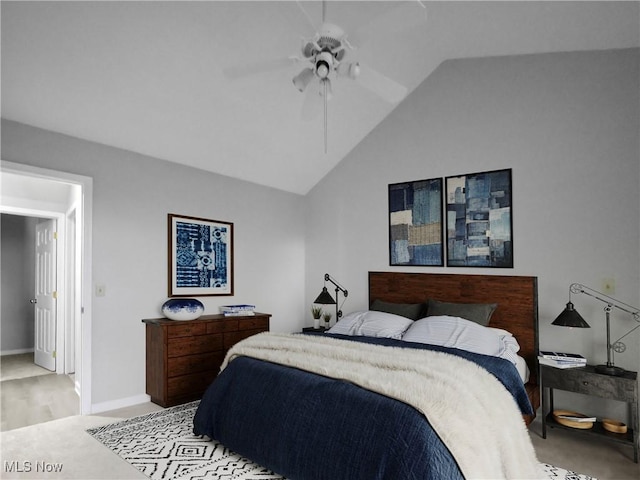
[(162, 446), (556, 472)]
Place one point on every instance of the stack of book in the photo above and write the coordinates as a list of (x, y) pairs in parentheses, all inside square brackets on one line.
[(561, 360), (237, 310)]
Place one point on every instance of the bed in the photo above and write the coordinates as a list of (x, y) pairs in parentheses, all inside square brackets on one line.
[(367, 407)]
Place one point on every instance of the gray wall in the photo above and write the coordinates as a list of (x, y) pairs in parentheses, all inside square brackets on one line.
[(132, 195), (567, 124), (18, 283)]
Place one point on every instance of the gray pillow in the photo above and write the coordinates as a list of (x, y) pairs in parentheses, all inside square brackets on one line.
[(476, 312), (413, 311)]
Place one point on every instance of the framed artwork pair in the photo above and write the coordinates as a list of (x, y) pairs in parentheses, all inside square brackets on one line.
[(476, 212)]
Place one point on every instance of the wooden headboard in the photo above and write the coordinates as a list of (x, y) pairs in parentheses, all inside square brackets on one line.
[(516, 296)]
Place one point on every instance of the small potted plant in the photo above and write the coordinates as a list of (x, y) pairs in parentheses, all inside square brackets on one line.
[(327, 318), (316, 313)]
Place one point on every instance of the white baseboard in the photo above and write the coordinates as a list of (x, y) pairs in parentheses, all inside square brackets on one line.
[(16, 352), (120, 403)]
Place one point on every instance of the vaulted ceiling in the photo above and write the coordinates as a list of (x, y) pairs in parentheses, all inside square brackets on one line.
[(209, 84)]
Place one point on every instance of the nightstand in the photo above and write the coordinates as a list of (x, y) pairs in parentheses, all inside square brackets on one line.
[(587, 381), (317, 330)]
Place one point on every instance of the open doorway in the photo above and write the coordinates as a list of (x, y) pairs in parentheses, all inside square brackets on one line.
[(20, 283), (66, 198), (31, 282)]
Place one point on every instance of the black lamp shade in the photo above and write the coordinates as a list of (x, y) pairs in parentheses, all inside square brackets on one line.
[(570, 318), (325, 298)]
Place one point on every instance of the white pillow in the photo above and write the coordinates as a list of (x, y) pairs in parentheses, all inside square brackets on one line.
[(371, 323), (347, 324), (382, 324), (501, 331), (456, 332), (511, 345)]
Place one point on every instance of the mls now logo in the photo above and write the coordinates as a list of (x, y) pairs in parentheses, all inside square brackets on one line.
[(27, 466)]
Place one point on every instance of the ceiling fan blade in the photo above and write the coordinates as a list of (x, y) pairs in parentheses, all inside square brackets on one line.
[(256, 68), (314, 26), (401, 17), (381, 85), (313, 103)]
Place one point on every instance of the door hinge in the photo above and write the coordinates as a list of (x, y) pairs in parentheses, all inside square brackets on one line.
[(55, 235), (55, 295), (54, 354)]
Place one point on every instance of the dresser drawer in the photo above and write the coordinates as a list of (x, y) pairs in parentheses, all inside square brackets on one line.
[(231, 338), (186, 329), (201, 362), (253, 323), (193, 384), (192, 345), (586, 382), (223, 325)]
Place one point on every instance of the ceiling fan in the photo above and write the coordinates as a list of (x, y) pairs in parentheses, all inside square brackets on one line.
[(326, 55)]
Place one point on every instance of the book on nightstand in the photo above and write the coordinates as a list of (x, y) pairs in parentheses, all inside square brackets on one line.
[(559, 363), (563, 357)]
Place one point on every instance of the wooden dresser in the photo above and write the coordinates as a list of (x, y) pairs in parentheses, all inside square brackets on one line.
[(183, 357)]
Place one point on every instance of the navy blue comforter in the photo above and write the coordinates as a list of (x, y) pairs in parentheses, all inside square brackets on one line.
[(305, 426)]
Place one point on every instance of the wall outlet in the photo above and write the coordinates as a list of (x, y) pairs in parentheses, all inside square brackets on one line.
[(608, 286), (101, 290)]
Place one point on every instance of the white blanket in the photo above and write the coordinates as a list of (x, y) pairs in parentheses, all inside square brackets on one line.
[(474, 415)]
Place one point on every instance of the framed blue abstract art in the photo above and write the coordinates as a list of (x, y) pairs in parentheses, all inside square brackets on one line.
[(415, 223), (479, 226), (200, 257)]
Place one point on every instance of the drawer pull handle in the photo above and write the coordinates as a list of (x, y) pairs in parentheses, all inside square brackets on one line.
[(585, 383)]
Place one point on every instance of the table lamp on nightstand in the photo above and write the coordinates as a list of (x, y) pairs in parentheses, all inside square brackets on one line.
[(571, 318), (325, 297)]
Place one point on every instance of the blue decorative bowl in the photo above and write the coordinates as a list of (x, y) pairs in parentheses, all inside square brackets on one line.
[(182, 308)]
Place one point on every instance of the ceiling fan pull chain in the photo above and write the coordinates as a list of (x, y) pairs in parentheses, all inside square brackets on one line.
[(325, 116)]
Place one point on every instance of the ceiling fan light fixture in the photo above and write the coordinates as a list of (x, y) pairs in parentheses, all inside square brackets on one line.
[(322, 69), (351, 70), (324, 62), (308, 49), (303, 78)]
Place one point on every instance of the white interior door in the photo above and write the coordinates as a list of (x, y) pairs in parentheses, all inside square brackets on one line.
[(45, 314)]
